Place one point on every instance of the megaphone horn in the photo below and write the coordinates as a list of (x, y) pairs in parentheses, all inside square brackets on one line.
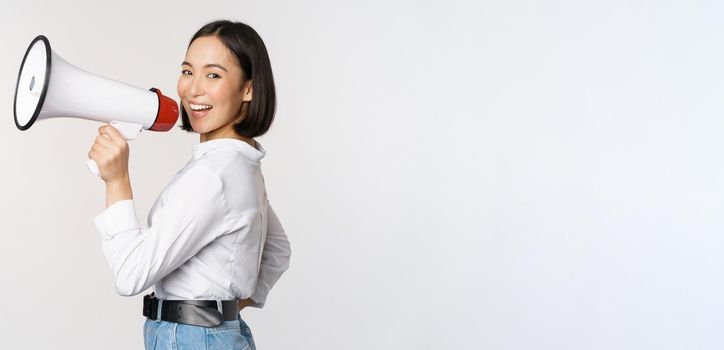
[(49, 87)]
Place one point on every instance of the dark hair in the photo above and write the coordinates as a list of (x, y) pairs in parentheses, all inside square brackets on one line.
[(250, 53)]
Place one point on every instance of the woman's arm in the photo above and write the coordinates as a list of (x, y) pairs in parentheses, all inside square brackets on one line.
[(191, 218), (118, 190), (274, 259), (188, 222)]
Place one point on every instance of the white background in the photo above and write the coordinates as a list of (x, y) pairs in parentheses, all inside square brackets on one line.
[(451, 175)]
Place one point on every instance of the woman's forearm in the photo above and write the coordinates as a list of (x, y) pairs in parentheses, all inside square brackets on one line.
[(118, 190)]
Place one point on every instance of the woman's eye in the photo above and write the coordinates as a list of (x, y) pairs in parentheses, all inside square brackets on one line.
[(214, 76), (186, 72)]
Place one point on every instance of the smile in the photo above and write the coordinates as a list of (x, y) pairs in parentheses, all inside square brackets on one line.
[(196, 107)]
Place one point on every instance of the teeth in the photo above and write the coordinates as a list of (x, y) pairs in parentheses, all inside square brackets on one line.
[(199, 107)]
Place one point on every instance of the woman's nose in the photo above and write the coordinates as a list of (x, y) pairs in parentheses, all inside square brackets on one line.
[(196, 87)]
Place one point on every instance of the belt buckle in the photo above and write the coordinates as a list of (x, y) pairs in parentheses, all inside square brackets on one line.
[(220, 307), (150, 306)]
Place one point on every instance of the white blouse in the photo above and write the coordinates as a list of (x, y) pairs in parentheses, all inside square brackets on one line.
[(211, 233)]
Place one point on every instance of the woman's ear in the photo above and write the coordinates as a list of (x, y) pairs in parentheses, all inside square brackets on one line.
[(247, 91)]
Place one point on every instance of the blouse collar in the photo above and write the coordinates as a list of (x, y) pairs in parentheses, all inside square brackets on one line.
[(254, 154)]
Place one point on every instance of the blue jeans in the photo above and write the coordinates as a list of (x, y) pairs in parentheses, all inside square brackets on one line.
[(159, 335)]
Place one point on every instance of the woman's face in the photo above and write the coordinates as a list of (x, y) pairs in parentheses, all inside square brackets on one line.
[(210, 88)]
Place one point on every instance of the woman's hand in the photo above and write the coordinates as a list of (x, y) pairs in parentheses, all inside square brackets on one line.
[(110, 152), (244, 303)]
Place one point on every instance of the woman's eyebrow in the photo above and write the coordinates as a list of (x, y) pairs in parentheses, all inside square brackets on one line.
[(207, 66)]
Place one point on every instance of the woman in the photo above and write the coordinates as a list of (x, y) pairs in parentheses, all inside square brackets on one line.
[(214, 244)]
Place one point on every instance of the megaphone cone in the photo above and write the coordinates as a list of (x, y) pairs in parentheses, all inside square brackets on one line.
[(49, 87)]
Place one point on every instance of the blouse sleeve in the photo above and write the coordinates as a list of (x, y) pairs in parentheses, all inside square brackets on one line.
[(274, 259), (191, 217)]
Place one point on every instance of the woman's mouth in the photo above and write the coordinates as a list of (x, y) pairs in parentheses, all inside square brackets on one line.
[(199, 110)]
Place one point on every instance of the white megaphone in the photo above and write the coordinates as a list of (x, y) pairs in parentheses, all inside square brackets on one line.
[(50, 87)]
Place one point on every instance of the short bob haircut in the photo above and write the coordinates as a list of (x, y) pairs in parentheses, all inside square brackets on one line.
[(250, 53)]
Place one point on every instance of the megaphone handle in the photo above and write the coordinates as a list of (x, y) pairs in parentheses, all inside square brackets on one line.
[(93, 167), (129, 131)]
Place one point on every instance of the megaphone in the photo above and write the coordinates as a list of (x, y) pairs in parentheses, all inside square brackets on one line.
[(49, 87)]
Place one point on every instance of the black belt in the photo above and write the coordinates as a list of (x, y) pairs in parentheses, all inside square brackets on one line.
[(203, 313)]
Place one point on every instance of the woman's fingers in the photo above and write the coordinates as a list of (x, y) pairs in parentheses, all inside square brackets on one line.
[(102, 151), (112, 133), (105, 142), (110, 140), (110, 152), (92, 154)]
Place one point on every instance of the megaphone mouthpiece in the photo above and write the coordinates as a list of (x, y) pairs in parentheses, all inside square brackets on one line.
[(167, 114)]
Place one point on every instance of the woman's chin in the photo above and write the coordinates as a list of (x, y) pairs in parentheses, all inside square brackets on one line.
[(197, 127)]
